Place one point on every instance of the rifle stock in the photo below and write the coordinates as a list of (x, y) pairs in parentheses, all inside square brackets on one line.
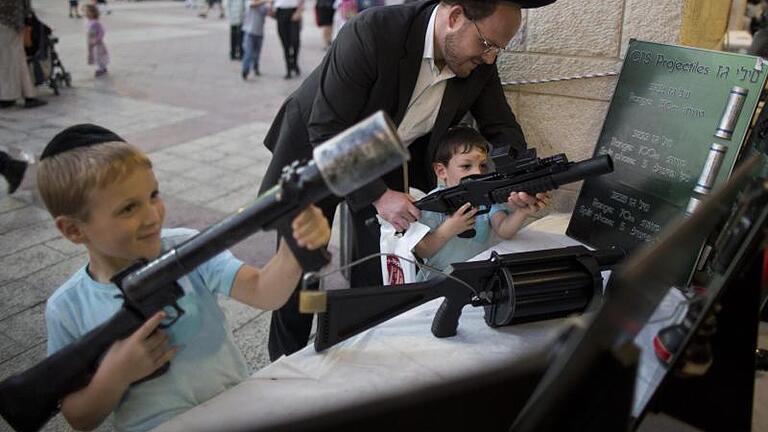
[(367, 307)]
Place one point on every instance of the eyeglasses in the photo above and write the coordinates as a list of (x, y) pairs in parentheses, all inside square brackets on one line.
[(488, 47)]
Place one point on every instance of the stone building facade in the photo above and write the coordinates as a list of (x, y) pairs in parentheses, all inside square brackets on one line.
[(576, 47)]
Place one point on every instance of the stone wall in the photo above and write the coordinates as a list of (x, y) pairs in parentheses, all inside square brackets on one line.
[(577, 47)]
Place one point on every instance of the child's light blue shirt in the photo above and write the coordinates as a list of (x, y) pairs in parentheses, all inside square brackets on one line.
[(458, 249), (209, 361)]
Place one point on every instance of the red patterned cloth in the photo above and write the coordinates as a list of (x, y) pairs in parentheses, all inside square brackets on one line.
[(395, 271)]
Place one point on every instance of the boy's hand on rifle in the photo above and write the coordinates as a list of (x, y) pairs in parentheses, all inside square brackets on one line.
[(524, 202), (141, 353), (310, 228), (520, 200), (461, 220)]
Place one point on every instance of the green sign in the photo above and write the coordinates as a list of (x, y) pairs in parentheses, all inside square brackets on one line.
[(674, 109)]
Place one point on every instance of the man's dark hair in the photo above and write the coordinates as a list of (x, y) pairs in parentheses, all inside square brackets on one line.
[(475, 9), (461, 138)]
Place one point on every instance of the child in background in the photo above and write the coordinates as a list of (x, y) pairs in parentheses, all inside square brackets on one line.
[(462, 152), (235, 13), (103, 194), (97, 50), (74, 10), (253, 35)]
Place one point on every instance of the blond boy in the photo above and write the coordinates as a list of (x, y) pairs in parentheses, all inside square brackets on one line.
[(463, 152), (103, 194)]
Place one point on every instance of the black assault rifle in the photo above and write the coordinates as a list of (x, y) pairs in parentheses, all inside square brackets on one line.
[(343, 164), (513, 288), (526, 173)]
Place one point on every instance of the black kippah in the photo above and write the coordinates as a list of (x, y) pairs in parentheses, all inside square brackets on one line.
[(82, 135)]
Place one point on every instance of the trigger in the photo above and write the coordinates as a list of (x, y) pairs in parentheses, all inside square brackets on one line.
[(171, 316)]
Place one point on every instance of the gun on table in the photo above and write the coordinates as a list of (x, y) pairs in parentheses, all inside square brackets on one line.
[(343, 164), (526, 173), (512, 288)]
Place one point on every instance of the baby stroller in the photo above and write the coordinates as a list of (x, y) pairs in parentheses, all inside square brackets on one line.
[(44, 63)]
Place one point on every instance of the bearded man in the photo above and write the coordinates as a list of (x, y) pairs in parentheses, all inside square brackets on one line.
[(427, 64)]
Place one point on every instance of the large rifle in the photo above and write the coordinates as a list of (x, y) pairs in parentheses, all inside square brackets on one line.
[(343, 164), (512, 288), (526, 173)]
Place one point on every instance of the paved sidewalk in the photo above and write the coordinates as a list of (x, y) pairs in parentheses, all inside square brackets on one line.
[(172, 90)]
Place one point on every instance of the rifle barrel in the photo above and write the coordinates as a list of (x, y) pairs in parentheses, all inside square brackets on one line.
[(587, 168)]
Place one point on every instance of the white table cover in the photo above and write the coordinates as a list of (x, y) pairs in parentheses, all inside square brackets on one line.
[(394, 356)]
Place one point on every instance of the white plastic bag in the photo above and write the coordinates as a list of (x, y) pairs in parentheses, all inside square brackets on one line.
[(395, 271)]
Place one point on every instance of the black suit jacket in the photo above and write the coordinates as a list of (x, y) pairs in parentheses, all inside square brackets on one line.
[(373, 65)]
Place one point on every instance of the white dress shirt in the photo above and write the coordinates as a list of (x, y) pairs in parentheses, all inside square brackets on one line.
[(428, 93)]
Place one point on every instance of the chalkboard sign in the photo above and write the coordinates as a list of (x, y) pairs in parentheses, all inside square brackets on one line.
[(676, 113)]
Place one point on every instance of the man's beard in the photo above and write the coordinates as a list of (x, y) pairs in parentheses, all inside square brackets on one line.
[(452, 56)]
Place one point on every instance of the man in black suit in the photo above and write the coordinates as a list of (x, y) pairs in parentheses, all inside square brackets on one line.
[(426, 64)]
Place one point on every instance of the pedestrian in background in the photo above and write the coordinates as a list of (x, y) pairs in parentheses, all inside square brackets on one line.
[(288, 15), (13, 171), (344, 10), (253, 35), (209, 5), (74, 10), (235, 13), (15, 81), (324, 18), (97, 50), (103, 7)]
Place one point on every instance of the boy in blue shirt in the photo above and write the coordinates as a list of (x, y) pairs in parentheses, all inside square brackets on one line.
[(103, 194), (462, 152)]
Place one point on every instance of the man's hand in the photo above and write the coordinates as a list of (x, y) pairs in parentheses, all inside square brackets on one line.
[(397, 208), (141, 353), (463, 219), (310, 228), (529, 204)]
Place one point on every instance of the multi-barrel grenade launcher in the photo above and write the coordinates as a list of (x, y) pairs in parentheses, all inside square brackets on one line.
[(526, 173), (512, 288), (341, 165)]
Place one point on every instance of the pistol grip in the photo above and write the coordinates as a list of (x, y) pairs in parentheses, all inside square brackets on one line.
[(447, 319), (310, 260)]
